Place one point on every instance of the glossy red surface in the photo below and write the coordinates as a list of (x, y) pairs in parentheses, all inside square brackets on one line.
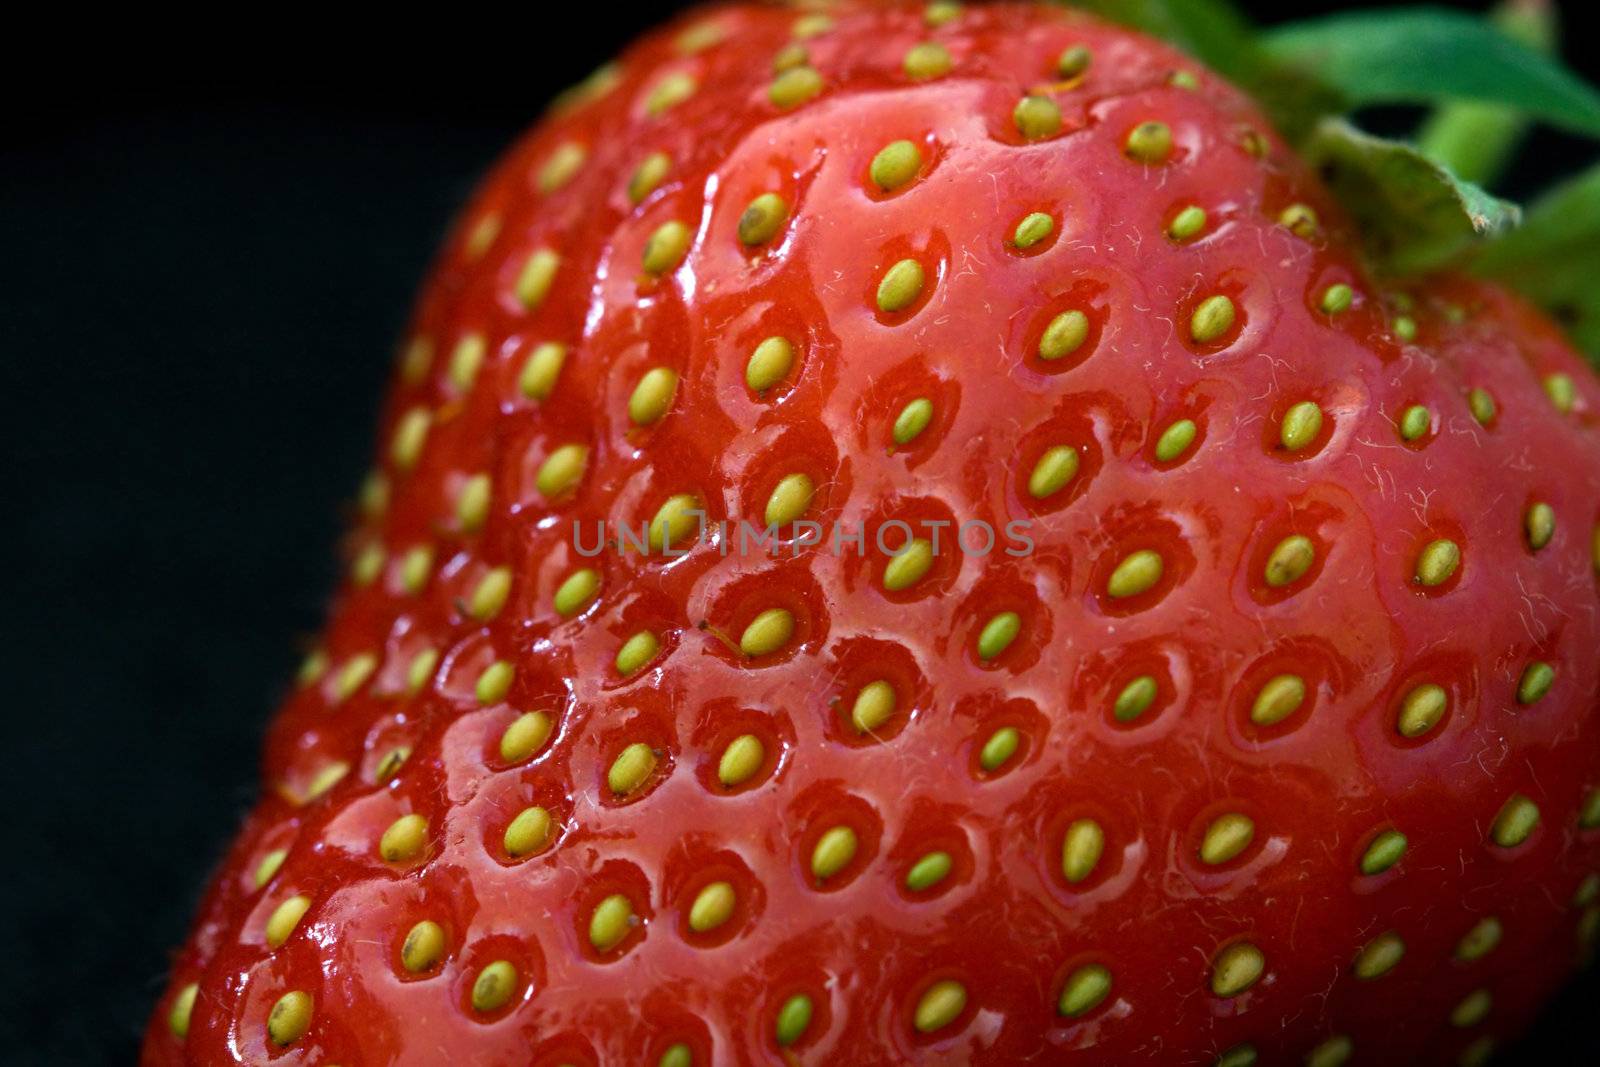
[(1006, 923)]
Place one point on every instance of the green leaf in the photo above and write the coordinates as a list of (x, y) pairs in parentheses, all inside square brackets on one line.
[(1213, 31), (1413, 214), (1427, 55), (1554, 258), (1476, 140)]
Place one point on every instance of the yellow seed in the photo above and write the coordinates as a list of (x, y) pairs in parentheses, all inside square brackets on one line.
[(1336, 299), (483, 233), (1384, 852), (940, 1006), (741, 760), (666, 248), (1472, 1010), (1562, 392), (895, 164), (1278, 699), (1290, 561), (1031, 230), (909, 567), (561, 470), (1086, 988), (1226, 837), (1437, 562), (465, 361), (1074, 62), (1137, 573), (1479, 941), (767, 633), (611, 922), (652, 397), (998, 634), (472, 504), (1536, 680), (353, 675), (525, 735), (528, 832), (423, 947), (712, 907), (1187, 223), (1236, 969), (762, 218), (631, 768), (562, 166), (1238, 1056), (1149, 142), (1477, 1054), (374, 495), (790, 499), (793, 54), (1037, 117), (537, 276), (1589, 814), (1482, 406), (415, 567), (368, 563), (325, 779), (1422, 709), (1000, 747), (390, 764), (269, 866), (410, 433), (1054, 470), (1175, 440), (1300, 220), (874, 705), (416, 360), (900, 286), (284, 918), (182, 1010), (539, 373), (1516, 822), (809, 26), (576, 593), (912, 420), (1064, 336), (794, 87), (1135, 698), (940, 12), (290, 1018), (648, 176), (490, 594), (1081, 849), (833, 852), (404, 840), (669, 92), (495, 682), (636, 651), (769, 363), (1334, 1052), (793, 1018), (1301, 425), (1588, 891), (675, 519), (699, 37), (1539, 524), (929, 871), (494, 987), (1379, 957), (1211, 320), (927, 60)]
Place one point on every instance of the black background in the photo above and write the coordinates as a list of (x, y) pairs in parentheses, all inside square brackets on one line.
[(207, 247)]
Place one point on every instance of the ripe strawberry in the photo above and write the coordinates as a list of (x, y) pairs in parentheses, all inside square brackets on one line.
[(1272, 744)]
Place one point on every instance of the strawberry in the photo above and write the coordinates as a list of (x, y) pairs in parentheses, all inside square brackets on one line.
[(1175, 645)]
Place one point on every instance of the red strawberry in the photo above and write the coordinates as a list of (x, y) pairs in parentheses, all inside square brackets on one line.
[(1262, 733)]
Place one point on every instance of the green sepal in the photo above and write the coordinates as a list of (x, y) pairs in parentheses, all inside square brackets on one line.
[(1427, 55), (1554, 257), (1412, 213)]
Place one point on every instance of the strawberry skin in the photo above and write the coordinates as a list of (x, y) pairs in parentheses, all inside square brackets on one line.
[(1277, 746)]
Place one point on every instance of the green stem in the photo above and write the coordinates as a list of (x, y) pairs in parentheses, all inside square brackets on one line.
[(1477, 140)]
